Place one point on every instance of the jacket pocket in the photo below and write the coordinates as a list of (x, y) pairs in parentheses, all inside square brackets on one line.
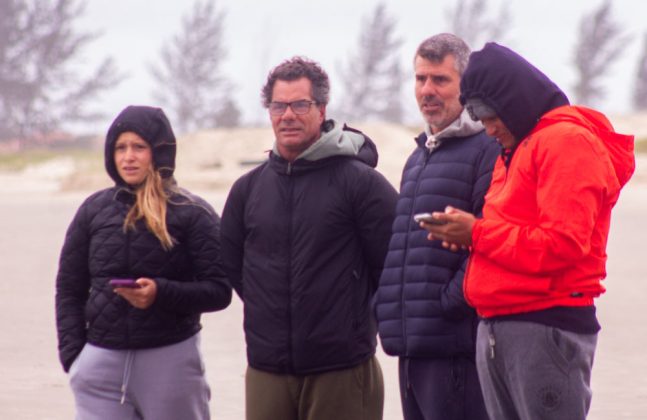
[(561, 348)]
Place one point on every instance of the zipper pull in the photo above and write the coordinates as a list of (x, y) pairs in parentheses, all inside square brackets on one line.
[(492, 342)]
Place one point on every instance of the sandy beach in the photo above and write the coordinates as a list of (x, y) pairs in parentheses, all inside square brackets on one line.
[(34, 217)]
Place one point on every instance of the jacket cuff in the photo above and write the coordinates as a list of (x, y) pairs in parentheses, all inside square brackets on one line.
[(477, 231)]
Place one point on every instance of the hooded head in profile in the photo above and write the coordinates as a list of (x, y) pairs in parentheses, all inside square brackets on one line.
[(499, 82)]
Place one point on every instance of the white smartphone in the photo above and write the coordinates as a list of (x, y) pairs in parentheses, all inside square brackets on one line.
[(428, 218)]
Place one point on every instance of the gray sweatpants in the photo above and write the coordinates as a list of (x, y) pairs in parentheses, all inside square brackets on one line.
[(530, 371), (157, 384)]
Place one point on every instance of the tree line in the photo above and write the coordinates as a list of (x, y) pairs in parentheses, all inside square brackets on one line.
[(40, 89)]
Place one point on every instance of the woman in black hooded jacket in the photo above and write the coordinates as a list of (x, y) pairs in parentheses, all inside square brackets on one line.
[(140, 263)]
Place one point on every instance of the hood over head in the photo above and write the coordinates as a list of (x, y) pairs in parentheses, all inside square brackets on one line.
[(152, 125), (505, 82)]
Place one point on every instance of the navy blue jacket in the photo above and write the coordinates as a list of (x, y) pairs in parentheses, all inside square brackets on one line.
[(420, 306), (303, 245)]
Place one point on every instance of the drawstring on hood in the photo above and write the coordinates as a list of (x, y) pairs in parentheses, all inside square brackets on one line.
[(152, 125)]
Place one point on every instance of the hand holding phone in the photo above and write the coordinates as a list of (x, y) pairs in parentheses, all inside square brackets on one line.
[(129, 283), (140, 293), (428, 218)]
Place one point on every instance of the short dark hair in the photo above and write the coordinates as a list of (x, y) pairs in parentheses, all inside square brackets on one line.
[(294, 69), (437, 47)]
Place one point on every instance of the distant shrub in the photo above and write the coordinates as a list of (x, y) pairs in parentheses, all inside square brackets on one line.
[(641, 145), (83, 157)]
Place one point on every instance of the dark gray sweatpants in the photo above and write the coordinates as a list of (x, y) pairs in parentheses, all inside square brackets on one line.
[(163, 383), (530, 371)]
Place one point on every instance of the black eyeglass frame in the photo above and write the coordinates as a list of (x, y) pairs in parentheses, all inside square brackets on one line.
[(278, 108)]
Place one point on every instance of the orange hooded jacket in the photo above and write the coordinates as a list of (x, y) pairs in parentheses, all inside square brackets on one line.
[(542, 239)]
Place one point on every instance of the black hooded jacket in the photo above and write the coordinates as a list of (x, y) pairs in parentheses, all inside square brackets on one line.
[(189, 277), (516, 90), (304, 245)]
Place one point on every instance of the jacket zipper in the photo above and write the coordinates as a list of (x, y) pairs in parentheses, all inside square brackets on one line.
[(289, 273), (129, 306), (406, 247)]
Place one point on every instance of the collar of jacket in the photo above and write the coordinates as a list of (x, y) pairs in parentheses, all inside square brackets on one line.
[(463, 126), (338, 142), (124, 194)]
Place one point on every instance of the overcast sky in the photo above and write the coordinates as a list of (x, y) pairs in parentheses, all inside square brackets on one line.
[(260, 34)]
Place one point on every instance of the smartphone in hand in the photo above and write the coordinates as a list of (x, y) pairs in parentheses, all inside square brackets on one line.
[(129, 283), (427, 218)]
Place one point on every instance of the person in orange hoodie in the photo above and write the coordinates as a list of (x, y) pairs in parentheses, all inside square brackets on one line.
[(538, 253)]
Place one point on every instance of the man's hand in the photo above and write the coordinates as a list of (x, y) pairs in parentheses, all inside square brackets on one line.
[(142, 297), (456, 233)]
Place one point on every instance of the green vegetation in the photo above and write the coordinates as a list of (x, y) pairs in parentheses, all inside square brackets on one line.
[(641, 145), (20, 160)]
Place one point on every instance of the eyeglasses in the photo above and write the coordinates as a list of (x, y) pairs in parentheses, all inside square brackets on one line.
[(298, 107)]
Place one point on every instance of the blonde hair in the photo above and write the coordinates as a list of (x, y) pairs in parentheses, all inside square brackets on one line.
[(150, 204)]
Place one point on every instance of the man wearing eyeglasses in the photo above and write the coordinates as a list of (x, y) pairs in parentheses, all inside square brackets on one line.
[(304, 239), (422, 314)]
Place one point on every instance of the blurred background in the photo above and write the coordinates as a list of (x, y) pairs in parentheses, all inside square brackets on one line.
[(68, 67)]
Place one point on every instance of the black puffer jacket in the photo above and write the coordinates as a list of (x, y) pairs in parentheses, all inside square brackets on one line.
[(189, 277), (304, 244)]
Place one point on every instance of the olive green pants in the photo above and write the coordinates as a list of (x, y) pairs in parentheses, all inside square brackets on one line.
[(350, 394)]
